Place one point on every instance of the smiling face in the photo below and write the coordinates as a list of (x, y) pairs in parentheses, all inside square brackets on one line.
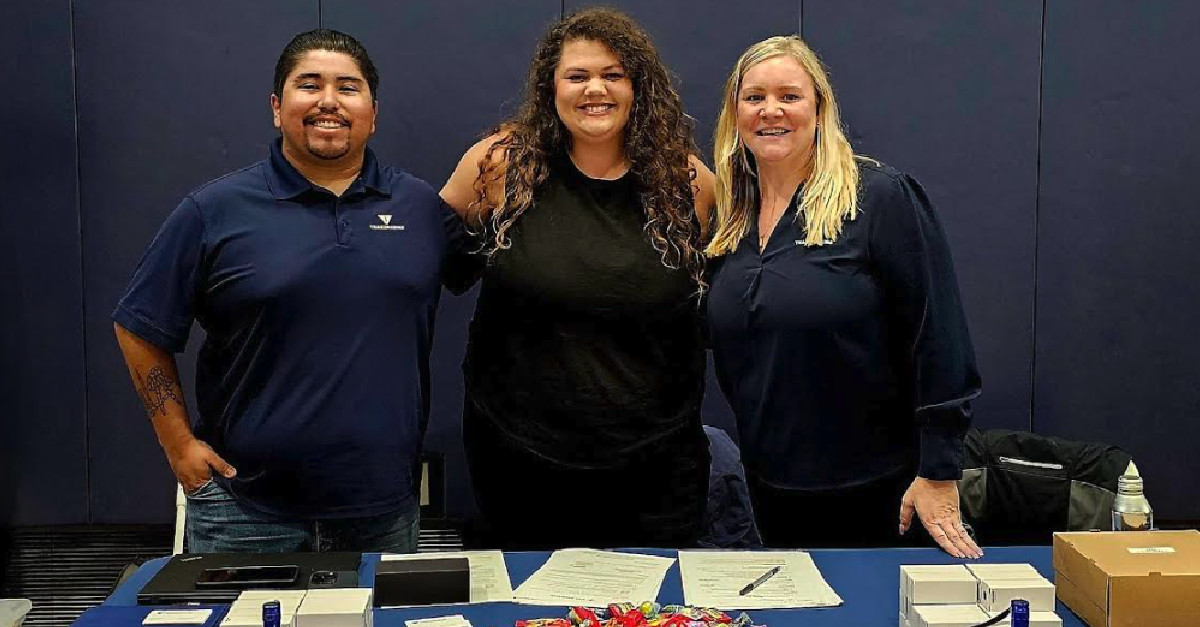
[(593, 94), (326, 112), (777, 112)]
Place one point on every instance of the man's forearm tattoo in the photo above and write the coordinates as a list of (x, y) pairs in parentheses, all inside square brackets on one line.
[(156, 388)]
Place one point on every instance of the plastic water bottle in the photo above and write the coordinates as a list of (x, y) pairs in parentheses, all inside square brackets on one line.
[(271, 614), (1018, 615), (1131, 511)]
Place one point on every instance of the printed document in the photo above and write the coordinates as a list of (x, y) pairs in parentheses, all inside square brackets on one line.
[(716, 578), (594, 578), (455, 620)]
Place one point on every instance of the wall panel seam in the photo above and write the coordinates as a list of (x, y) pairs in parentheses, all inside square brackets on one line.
[(1037, 204), (87, 435)]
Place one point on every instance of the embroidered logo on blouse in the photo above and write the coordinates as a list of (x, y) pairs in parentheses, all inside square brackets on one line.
[(386, 219), (827, 242)]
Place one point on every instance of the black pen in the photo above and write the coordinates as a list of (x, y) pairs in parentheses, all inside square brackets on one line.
[(758, 582)]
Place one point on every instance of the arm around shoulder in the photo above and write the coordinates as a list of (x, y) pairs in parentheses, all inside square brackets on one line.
[(460, 189)]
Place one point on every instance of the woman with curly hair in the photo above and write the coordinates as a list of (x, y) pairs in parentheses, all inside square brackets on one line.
[(585, 366), (837, 329)]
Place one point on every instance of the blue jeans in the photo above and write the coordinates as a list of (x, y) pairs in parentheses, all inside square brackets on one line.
[(218, 523)]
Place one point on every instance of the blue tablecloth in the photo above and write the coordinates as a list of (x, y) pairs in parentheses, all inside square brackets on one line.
[(867, 580)]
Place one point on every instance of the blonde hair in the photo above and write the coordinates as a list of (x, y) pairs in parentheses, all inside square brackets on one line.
[(831, 191)]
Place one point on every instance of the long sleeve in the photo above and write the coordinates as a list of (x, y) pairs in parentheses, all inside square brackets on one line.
[(912, 257)]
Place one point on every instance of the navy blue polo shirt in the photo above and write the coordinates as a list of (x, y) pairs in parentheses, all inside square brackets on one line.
[(851, 361), (313, 380)]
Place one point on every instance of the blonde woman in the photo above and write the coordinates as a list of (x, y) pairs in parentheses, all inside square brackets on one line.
[(837, 330)]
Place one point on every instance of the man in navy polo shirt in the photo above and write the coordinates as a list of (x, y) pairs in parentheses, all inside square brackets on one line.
[(316, 274)]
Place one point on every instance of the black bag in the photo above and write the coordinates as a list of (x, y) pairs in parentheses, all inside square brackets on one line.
[(1019, 488)]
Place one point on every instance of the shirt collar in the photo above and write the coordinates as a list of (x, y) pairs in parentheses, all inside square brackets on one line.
[(287, 182)]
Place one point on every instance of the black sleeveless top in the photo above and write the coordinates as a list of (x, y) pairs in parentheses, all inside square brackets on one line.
[(584, 346)]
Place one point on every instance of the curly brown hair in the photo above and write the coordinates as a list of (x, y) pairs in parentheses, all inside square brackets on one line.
[(657, 141)]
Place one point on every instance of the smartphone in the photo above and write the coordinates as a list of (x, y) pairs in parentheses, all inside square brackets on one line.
[(247, 576)]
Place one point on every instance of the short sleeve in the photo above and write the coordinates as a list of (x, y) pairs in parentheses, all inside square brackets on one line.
[(912, 257), (159, 303)]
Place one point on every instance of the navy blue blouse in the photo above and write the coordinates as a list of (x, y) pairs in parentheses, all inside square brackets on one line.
[(850, 361)]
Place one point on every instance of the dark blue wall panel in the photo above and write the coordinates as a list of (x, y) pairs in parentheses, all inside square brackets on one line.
[(1118, 230), (948, 91), (170, 95), (43, 448), (448, 72)]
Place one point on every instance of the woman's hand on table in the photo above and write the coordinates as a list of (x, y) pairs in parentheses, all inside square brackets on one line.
[(936, 505)]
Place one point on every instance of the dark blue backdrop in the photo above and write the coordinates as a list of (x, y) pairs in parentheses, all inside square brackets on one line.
[(1056, 138)]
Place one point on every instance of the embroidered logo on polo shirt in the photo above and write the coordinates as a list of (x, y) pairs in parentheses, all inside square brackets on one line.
[(386, 219)]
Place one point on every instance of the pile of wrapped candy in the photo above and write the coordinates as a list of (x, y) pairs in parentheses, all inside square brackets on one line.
[(647, 614)]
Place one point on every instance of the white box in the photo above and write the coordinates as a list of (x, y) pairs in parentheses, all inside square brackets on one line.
[(1036, 619), (246, 610), (339, 607), (254, 619), (949, 584), (1003, 571), (997, 595), (947, 616)]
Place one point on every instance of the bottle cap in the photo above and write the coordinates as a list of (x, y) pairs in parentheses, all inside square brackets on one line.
[(1129, 484)]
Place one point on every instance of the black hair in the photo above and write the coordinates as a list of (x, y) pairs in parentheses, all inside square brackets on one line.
[(324, 39)]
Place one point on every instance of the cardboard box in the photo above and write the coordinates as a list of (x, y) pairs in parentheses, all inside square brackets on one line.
[(1130, 578)]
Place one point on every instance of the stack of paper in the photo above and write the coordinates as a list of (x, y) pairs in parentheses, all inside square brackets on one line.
[(177, 617), (594, 578), (455, 620), (718, 579)]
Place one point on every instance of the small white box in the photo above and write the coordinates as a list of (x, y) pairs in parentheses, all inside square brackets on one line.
[(1036, 619), (339, 607), (252, 617), (1003, 571), (247, 619), (997, 595), (285, 597), (947, 616), (246, 610), (950, 584)]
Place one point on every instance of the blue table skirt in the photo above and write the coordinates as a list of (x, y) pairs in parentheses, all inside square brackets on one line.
[(867, 580)]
